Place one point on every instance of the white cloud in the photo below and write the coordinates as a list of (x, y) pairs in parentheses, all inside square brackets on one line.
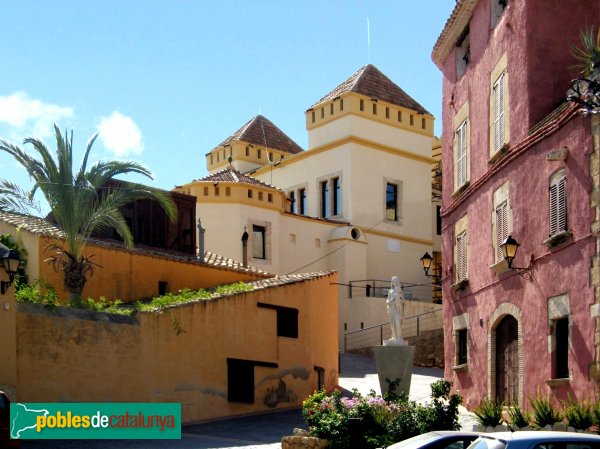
[(30, 117), (120, 135)]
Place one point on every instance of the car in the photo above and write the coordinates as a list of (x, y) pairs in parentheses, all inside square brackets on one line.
[(439, 439), (5, 440), (536, 440)]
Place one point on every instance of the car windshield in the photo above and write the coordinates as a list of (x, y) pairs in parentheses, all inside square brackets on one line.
[(417, 442), (487, 443)]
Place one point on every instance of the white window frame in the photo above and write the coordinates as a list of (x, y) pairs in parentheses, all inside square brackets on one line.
[(499, 126), (462, 266), (501, 228), (461, 138), (557, 204)]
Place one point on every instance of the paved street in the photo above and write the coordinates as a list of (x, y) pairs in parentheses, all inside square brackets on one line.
[(262, 431)]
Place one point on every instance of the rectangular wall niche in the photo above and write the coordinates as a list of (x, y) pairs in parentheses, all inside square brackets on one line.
[(240, 379), (287, 319)]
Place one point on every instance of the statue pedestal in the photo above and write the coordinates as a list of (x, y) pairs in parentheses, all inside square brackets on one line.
[(394, 362)]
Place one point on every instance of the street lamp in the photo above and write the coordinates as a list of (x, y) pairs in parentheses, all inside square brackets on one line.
[(509, 249), (11, 262), (426, 261)]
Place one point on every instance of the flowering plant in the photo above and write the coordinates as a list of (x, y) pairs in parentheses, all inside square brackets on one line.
[(371, 421)]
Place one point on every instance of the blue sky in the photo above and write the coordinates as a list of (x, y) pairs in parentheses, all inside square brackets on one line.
[(166, 81)]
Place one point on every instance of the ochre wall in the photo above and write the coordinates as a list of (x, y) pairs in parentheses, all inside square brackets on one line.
[(180, 355), (130, 276)]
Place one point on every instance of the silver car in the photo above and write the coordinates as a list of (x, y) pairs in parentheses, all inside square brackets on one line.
[(439, 439), (537, 440)]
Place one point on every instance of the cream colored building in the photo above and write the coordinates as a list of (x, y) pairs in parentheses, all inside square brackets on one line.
[(358, 200)]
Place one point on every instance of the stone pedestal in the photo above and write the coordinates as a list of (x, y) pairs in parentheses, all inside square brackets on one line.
[(394, 362)]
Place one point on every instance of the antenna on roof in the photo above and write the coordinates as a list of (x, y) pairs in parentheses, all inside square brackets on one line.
[(369, 38)]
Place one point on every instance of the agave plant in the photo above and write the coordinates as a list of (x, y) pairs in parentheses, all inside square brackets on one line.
[(588, 54)]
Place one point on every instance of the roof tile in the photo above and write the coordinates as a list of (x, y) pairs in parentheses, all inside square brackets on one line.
[(371, 82), (261, 131)]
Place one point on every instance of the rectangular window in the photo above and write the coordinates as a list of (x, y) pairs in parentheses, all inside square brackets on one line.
[(498, 110), (374, 108), (412, 120), (362, 105), (292, 198), (313, 116), (287, 319), (270, 197), (249, 193), (501, 228), (247, 151), (324, 199), (461, 154), (258, 242), (227, 191), (438, 220), (423, 123), (216, 191), (331, 109), (211, 159), (322, 112), (337, 196), (461, 256), (461, 347), (205, 191), (258, 152), (562, 348), (163, 288), (558, 205), (341, 104), (391, 202), (303, 210), (387, 112), (399, 116), (240, 381), (260, 196)]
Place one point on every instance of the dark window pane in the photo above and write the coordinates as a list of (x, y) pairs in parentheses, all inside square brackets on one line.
[(391, 202), (258, 242), (562, 348)]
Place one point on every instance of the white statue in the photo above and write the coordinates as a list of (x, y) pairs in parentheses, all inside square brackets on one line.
[(395, 308)]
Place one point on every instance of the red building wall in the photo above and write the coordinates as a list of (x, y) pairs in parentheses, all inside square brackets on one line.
[(536, 35)]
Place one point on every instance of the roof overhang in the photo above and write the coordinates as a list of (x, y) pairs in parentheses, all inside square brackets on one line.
[(453, 30)]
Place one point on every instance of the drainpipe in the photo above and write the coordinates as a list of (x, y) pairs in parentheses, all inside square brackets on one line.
[(201, 232), (245, 248)]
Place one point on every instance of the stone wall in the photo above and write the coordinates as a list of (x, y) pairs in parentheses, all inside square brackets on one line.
[(302, 440), (429, 348)]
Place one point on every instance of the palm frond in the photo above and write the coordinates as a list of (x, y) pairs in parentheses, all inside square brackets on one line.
[(15, 199)]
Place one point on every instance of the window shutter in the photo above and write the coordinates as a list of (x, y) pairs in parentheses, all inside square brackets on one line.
[(461, 154), (498, 127), (558, 206), (501, 228), (461, 249)]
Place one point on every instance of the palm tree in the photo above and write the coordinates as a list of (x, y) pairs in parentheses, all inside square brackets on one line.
[(82, 202)]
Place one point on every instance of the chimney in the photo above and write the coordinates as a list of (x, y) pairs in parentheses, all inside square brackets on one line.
[(201, 232)]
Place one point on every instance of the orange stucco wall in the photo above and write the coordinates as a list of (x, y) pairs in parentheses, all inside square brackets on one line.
[(180, 355), (129, 276)]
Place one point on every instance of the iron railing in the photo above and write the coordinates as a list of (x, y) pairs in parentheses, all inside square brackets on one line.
[(377, 288), (411, 326)]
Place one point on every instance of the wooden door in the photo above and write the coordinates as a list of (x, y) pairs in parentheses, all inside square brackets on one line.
[(507, 360)]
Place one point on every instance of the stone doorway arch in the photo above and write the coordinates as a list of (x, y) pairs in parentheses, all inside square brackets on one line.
[(505, 354)]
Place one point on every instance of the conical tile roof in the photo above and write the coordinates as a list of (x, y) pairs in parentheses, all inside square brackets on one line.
[(232, 175), (261, 131), (369, 81)]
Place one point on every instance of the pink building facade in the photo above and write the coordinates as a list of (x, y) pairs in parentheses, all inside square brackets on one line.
[(518, 160)]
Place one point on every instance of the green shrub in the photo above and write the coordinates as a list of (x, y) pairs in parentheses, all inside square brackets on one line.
[(489, 413), (596, 415), (517, 416), (578, 414), (543, 413), (371, 421)]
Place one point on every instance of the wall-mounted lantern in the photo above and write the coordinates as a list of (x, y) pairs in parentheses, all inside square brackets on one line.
[(11, 262)]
